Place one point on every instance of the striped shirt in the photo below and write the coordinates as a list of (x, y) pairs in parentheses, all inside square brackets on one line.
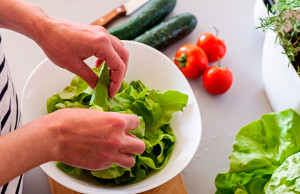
[(9, 117)]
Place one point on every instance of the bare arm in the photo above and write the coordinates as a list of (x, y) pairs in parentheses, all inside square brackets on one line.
[(66, 43), (22, 150), (84, 138)]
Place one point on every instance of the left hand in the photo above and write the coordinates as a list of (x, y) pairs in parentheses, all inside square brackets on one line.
[(68, 44)]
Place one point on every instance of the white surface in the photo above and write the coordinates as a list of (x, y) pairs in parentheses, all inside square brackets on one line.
[(282, 83), (47, 79), (222, 116)]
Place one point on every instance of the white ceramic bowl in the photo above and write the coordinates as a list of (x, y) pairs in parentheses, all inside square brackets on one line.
[(155, 70), (282, 83)]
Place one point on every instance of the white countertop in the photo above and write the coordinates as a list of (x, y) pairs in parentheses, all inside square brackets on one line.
[(222, 116)]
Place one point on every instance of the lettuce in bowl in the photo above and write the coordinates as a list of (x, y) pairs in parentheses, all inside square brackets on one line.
[(155, 110), (265, 157)]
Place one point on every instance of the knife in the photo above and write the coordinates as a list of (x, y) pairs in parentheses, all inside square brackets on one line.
[(126, 9)]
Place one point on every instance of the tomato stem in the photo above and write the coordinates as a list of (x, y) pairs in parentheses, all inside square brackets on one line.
[(182, 60), (217, 31), (219, 62)]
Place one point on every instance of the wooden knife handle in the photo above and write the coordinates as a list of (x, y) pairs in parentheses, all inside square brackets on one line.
[(119, 11)]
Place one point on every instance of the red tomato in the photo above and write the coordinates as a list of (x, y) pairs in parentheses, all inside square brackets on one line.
[(191, 60), (217, 80), (214, 47)]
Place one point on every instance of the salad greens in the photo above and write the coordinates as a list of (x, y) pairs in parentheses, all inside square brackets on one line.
[(286, 178), (265, 157), (154, 109), (286, 5)]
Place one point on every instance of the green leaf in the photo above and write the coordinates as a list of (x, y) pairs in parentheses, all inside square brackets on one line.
[(51, 102), (286, 178), (259, 149), (68, 93), (240, 189), (122, 101), (154, 109), (151, 116), (68, 104), (158, 109), (69, 169), (100, 95), (140, 171), (138, 85), (170, 102), (95, 107), (113, 172), (158, 151)]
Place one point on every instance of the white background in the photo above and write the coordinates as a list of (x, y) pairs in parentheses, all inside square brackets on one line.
[(222, 116)]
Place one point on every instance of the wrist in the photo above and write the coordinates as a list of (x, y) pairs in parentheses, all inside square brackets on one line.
[(51, 135), (36, 24), (25, 148), (43, 135)]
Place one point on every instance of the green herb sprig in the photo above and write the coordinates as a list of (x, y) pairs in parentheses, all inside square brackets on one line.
[(287, 27)]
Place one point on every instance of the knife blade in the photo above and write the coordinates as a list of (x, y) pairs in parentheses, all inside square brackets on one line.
[(126, 9)]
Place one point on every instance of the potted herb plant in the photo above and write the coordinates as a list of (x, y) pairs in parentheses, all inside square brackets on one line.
[(281, 55)]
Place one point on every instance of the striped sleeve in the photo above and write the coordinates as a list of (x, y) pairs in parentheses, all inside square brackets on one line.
[(10, 117)]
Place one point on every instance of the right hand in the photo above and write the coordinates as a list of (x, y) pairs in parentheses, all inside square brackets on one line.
[(68, 44), (92, 139)]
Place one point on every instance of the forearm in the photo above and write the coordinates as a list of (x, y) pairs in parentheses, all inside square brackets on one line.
[(22, 17), (23, 149)]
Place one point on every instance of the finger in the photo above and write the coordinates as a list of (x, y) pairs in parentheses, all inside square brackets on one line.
[(118, 40), (105, 166), (113, 89), (117, 69), (131, 121), (123, 159), (121, 50), (84, 71), (116, 65), (132, 144)]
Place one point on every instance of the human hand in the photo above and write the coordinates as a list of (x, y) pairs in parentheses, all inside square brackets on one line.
[(92, 139), (68, 44)]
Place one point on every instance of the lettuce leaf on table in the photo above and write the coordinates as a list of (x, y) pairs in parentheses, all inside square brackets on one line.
[(286, 178), (155, 110), (258, 150)]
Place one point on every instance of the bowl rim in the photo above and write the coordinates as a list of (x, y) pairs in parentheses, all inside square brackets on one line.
[(172, 174)]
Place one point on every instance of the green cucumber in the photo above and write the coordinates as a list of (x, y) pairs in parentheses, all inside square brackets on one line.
[(168, 32), (150, 15)]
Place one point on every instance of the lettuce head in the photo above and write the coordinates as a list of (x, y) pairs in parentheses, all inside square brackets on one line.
[(265, 157), (154, 108)]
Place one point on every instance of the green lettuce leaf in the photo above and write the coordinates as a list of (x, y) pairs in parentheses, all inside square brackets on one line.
[(69, 169), (51, 103), (113, 172), (286, 178), (259, 149), (158, 149), (153, 108), (158, 108), (100, 95)]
